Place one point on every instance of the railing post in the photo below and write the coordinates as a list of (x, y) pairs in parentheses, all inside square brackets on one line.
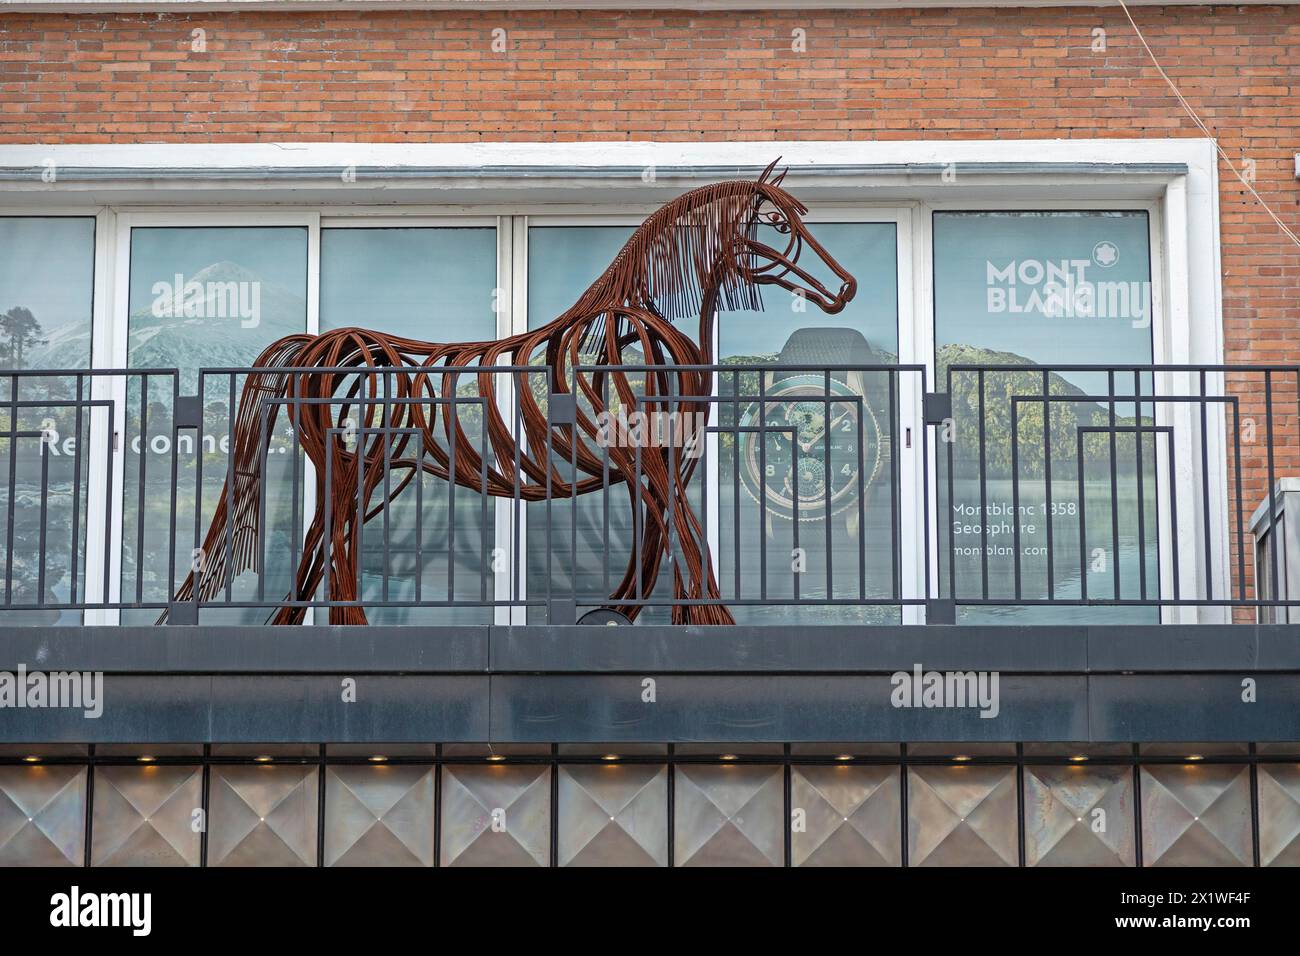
[(936, 409), (187, 413)]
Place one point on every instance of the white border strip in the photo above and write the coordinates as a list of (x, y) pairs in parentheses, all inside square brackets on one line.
[(479, 6), (537, 158)]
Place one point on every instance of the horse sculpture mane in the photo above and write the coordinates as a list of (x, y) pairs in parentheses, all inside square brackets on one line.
[(696, 255), (677, 250)]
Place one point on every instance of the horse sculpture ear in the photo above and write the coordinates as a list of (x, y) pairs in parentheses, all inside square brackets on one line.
[(768, 172), (781, 178)]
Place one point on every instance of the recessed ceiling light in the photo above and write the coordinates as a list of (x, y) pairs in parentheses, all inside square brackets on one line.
[(844, 757), (146, 758), (961, 758), (32, 759), (1195, 757), (610, 757), (727, 757), (262, 758), (378, 758), (1078, 758), (495, 758)]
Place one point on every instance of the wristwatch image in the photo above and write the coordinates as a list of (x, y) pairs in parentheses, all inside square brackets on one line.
[(819, 434)]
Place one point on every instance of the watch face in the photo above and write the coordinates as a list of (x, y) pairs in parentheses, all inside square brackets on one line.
[(820, 448)]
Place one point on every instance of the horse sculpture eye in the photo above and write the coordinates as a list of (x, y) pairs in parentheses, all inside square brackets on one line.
[(777, 221)]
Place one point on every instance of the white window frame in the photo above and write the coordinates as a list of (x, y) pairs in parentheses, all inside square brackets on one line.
[(1187, 320)]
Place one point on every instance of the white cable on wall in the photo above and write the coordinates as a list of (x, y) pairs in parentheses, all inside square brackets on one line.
[(1205, 129)]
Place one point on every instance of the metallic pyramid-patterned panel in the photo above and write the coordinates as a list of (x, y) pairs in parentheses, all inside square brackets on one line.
[(962, 816), (379, 816), (263, 816), (730, 815), (1279, 814), (1079, 816), (845, 816), (613, 815), (42, 816), (1196, 815), (496, 815), (145, 816)]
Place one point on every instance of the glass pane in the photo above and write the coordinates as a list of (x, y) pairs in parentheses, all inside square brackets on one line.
[(434, 285), (205, 297), (818, 437), (1045, 290), (562, 262), (46, 303)]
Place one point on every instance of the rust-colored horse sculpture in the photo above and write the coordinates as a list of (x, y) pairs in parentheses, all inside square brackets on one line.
[(698, 254)]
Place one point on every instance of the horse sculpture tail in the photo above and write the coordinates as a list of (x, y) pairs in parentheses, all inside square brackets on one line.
[(230, 546)]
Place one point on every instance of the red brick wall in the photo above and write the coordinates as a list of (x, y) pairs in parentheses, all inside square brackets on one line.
[(434, 76), (426, 75)]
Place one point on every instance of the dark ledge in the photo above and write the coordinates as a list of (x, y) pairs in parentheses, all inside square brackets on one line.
[(588, 684), (220, 649)]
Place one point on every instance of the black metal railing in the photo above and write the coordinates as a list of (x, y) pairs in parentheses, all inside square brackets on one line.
[(786, 494)]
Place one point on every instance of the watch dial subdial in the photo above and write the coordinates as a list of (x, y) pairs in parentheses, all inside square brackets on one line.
[(806, 444)]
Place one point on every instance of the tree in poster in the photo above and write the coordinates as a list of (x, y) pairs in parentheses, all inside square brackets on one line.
[(19, 334)]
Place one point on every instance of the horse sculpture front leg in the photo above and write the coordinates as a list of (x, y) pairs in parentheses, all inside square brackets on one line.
[(665, 525)]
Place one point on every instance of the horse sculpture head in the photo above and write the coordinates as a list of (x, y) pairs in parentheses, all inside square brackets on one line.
[(779, 265), (723, 243)]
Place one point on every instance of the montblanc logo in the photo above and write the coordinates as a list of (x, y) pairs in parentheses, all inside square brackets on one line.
[(1105, 254), (948, 689), (1066, 288), (131, 910)]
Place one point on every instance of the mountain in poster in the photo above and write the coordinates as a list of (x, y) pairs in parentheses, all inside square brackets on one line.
[(1065, 418), (219, 335)]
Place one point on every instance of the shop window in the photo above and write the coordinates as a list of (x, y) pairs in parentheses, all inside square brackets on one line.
[(1045, 291)]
